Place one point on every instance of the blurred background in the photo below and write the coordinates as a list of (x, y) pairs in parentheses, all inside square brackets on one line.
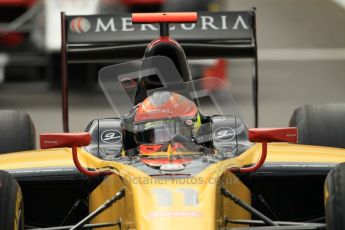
[(301, 58)]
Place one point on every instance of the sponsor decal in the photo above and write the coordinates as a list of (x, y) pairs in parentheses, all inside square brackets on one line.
[(123, 23), (50, 142), (206, 22), (111, 136), (42, 171), (189, 122), (155, 111), (215, 25), (166, 197), (174, 214), (153, 124), (172, 167), (224, 134), (80, 25)]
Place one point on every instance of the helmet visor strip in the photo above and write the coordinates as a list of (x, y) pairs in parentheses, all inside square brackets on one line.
[(163, 131)]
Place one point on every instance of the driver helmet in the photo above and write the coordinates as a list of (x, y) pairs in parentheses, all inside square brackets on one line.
[(165, 121)]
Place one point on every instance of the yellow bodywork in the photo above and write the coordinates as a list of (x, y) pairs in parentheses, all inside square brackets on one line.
[(163, 203)]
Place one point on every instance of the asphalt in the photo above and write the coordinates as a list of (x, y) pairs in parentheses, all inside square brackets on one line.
[(300, 62)]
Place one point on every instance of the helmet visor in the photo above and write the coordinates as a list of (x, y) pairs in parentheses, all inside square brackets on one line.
[(163, 131)]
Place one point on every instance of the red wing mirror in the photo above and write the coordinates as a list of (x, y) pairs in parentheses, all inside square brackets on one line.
[(72, 140), (273, 134), (267, 135), (56, 140)]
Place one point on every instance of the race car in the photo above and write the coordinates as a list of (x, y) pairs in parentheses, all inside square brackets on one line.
[(175, 155)]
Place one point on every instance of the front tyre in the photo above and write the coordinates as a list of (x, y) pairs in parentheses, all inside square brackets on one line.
[(335, 198), (11, 203)]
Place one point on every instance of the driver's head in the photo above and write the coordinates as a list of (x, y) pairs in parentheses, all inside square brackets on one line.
[(165, 117)]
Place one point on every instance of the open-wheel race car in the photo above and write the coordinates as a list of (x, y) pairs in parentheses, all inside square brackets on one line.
[(176, 155)]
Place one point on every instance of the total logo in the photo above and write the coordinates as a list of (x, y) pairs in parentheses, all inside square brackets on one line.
[(80, 25), (155, 111)]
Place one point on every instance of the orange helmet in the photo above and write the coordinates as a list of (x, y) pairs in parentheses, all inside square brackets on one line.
[(160, 118), (165, 105)]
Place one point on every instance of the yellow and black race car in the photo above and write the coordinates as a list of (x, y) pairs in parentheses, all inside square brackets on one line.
[(175, 155)]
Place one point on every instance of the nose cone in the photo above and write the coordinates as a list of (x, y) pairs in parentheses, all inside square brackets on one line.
[(175, 204)]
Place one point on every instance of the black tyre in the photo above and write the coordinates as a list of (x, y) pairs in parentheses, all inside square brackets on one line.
[(335, 198), (322, 125), (17, 131), (11, 203)]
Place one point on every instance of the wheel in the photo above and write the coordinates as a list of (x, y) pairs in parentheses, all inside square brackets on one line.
[(11, 203), (18, 131), (322, 125), (335, 198)]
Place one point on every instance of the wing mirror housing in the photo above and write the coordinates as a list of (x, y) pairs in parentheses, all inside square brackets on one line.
[(59, 140), (72, 140), (273, 134), (265, 135)]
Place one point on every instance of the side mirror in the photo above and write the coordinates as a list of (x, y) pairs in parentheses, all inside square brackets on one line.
[(264, 135), (56, 140), (273, 134), (73, 140)]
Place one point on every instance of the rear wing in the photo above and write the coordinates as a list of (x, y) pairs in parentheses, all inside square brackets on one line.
[(99, 38), (110, 38)]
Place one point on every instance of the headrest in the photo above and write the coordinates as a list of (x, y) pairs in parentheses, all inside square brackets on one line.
[(171, 49), (163, 47)]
